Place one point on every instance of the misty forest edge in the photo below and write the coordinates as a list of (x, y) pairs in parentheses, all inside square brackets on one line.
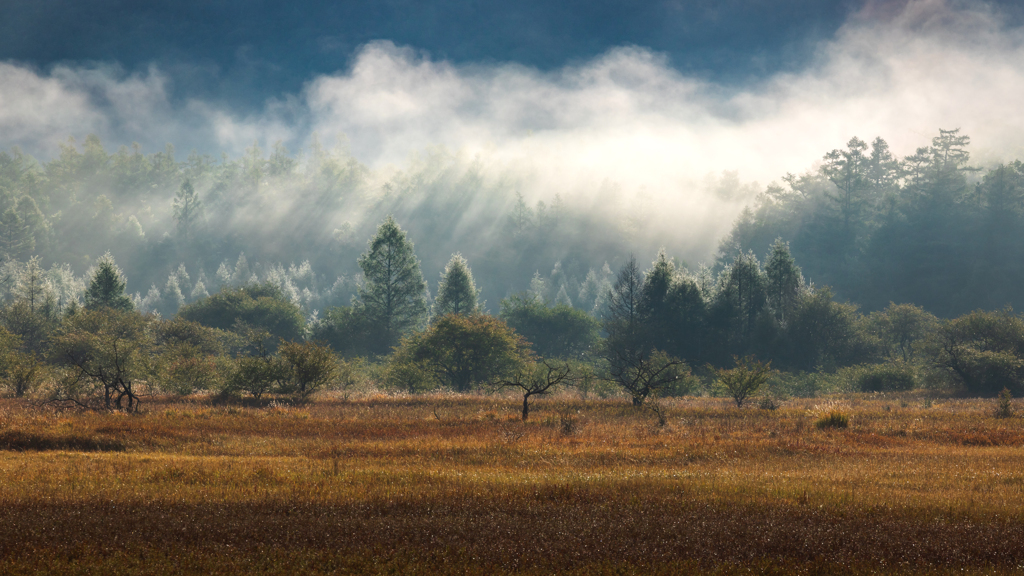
[(866, 226)]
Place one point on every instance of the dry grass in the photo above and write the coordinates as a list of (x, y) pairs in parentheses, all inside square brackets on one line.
[(457, 485)]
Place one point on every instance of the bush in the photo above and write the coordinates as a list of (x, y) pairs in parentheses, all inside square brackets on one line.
[(261, 306), (799, 384), (745, 379), (557, 332), (888, 377), (345, 329), (1004, 409), (311, 367), (984, 352), (586, 382), (186, 369), (459, 352)]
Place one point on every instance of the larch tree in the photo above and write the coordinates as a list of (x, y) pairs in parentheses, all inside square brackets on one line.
[(456, 292), (393, 298)]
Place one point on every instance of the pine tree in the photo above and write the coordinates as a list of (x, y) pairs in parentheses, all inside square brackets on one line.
[(456, 292), (393, 298), (106, 289)]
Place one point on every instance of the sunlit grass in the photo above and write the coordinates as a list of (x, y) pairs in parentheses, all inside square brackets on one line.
[(458, 484)]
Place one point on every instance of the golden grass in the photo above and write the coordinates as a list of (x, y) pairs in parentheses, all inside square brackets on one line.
[(457, 485)]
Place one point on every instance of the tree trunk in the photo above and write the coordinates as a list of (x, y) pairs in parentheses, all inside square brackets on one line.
[(526, 407)]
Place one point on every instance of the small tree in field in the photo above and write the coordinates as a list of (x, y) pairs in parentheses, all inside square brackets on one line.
[(643, 375), (745, 379), (536, 380), (311, 367), (258, 372), (106, 349)]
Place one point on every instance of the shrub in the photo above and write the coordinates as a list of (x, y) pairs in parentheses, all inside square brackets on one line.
[(799, 384), (186, 369), (460, 352), (311, 366), (745, 379), (108, 355), (984, 352), (888, 377), (258, 305), (1004, 408), (557, 332)]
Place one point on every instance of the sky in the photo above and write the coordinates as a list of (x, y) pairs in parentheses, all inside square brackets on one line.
[(242, 52), (648, 96)]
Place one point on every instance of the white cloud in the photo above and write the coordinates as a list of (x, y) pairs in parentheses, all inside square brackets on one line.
[(625, 118)]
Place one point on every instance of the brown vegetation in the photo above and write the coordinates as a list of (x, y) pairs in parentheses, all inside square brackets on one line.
[(459, 484)]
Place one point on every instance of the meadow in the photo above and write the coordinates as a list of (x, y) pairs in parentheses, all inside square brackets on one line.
[(457, 484)]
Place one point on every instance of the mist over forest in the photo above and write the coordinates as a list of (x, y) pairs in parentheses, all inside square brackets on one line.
[(551, 172), (929, 228)]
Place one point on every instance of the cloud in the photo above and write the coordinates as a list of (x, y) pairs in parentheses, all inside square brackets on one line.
[(630, 117), (899, 70)]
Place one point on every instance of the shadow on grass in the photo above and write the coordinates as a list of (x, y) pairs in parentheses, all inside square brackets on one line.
[(27, 441)]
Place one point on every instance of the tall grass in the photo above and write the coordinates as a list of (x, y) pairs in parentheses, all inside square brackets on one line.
[(457, 484)]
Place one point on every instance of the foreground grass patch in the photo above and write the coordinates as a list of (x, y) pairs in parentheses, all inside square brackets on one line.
[(460, 486)]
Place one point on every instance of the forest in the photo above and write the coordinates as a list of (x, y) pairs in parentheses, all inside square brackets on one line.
[(257, 286)]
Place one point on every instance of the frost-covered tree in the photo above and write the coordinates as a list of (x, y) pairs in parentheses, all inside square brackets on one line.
[(456, 292)]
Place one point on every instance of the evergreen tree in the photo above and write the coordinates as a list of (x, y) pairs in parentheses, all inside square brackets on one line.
[(847, 171), (187, 209), (739, 300), (106, 289), (456, 293), (393, 298), (784, 281)]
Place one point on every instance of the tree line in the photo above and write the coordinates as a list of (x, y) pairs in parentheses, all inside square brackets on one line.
[(927, 228), (663, 331)]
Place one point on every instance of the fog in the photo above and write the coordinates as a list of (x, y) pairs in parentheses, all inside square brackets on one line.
[(624, 132)]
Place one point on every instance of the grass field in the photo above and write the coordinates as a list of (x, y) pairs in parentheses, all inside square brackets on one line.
[(440, 484)]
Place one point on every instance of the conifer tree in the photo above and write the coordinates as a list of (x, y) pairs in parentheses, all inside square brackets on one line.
[(106, 289), (456, 292), (32, 286), (393, 299), (784, 281)]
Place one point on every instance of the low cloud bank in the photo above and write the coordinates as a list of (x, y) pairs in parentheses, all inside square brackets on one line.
[(625, 120)]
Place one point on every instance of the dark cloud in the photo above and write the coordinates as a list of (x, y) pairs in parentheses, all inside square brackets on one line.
[(247, 50)]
